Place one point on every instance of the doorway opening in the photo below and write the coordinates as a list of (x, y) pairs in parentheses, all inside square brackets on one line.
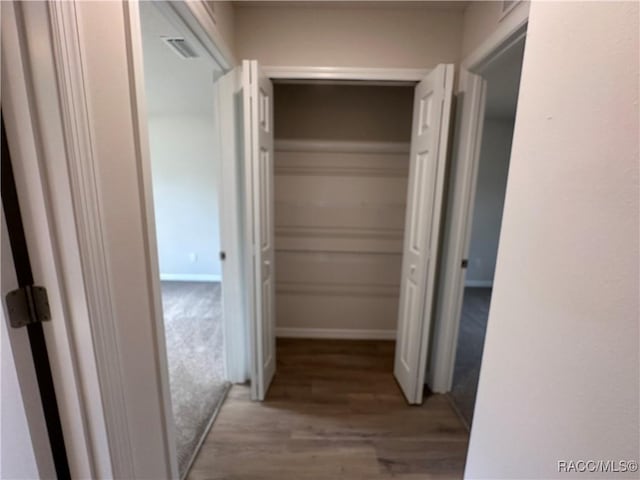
[(503, 81), (185, 176), (340, 187), (356, 196), (341, 168)]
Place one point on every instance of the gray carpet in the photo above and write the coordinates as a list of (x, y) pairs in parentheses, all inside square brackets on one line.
[(473, 326), (195, 350)]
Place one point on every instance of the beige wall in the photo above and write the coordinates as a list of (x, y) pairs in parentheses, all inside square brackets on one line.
[(481, 19), (334, 35), (561, 369), (225, 21), (339, 215)]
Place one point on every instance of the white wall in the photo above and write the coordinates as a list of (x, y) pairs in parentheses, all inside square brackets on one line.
[(489, 200), (185, 171), (369, 35), (561, 368)]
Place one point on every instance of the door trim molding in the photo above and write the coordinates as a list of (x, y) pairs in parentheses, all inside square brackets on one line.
[(335, 333), (88, 213), (447, 321), (458, 223), (408, 75)]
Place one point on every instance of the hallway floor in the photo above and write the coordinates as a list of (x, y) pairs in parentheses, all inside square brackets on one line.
[(334, 411), (473, 328)]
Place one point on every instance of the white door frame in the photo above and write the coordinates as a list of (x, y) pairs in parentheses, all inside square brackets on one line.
[(59, 182), (469, 139), (401, 75)]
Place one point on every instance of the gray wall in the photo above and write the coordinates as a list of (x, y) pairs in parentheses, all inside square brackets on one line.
[(489, 200)]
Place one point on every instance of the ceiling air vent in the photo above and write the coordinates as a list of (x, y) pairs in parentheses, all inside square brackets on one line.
[(181, 47)]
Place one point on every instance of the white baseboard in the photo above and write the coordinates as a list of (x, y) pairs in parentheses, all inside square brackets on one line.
[(479, 283), (190, 277), (336, 333)]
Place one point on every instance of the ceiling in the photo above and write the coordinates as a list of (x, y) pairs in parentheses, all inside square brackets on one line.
[(503, 83), (174, 85)]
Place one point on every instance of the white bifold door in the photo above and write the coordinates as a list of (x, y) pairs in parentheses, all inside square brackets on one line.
[(258, 163), (429, 139)]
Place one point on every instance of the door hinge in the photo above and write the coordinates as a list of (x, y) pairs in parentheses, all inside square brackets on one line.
[(28, 305), (223, 256), (465, 263)]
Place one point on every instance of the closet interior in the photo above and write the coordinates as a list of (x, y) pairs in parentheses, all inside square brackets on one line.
[(340, 187)]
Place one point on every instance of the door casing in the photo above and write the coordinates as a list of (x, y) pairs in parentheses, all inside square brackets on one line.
[(471, 117)]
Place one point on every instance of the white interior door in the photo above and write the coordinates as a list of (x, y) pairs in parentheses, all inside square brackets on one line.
[(258, 132), (429, 138)]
